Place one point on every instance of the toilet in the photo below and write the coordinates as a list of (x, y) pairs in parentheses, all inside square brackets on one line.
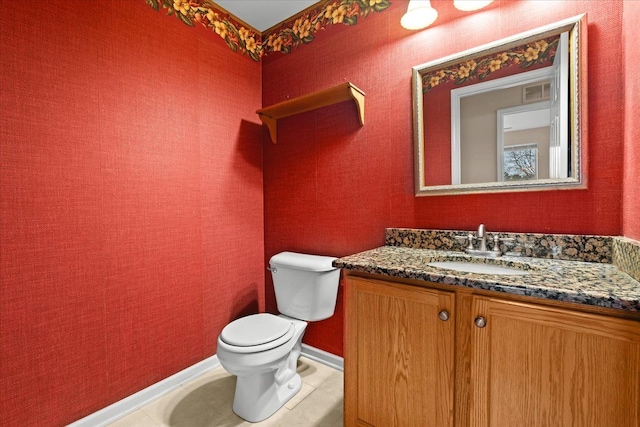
[(262, 350)]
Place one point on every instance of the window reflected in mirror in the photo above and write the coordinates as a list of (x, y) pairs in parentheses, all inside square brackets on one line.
[(520, 162)]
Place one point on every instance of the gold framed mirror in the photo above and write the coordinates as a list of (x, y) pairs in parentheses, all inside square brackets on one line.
[(505, 116)]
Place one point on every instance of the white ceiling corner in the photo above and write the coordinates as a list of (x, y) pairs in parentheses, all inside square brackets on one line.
[(264, 14)]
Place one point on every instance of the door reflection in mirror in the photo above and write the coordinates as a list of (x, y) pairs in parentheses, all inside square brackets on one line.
[(523, 126), (476, 135)]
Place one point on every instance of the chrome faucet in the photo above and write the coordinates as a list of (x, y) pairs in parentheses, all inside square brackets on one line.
[(482, 236)]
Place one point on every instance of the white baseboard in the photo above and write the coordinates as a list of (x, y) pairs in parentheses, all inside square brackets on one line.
[(323, 357), (137, 400)]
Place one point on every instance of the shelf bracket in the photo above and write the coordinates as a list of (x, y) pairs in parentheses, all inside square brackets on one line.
[(272, 125)]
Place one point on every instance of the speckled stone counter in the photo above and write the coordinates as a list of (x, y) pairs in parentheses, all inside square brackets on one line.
[(626, 256), (591, 283)]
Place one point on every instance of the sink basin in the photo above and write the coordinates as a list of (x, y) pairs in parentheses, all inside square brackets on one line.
[(470, 267)]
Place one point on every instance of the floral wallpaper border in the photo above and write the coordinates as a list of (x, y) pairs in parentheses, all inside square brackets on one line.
[(524, 56), (291, 34)]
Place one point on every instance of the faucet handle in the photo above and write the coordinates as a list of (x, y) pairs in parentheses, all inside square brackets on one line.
[(496, 242), (468, 238)]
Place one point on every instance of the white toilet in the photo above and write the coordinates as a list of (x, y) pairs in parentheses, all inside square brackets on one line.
[(262, 350)]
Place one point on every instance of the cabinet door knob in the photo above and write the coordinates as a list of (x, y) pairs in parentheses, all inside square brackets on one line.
[(480, 322), (443, 315)]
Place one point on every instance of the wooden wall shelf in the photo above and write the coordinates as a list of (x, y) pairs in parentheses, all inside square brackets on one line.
[(333, 95)]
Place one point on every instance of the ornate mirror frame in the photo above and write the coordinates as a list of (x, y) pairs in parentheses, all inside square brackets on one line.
[(576, 27)]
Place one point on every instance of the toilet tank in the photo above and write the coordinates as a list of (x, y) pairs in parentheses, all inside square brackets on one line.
[(306, 286)]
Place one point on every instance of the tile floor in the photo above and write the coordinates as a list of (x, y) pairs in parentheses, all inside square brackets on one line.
[(206, 402)]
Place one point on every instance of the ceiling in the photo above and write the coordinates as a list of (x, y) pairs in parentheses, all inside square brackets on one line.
[(264, 14)]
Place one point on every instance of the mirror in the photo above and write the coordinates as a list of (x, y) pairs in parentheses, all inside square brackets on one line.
[(506, 116)]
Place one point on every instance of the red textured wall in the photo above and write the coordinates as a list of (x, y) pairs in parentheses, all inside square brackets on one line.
[(131, 218), (331, 186), (131, 181), (631, 210)]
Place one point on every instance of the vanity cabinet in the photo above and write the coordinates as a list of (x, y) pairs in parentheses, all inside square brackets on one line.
[(540, 366), (398, 355), (495, 361)]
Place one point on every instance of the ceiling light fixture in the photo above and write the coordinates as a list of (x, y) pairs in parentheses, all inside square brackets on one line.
[(419, 15), (469, 5)]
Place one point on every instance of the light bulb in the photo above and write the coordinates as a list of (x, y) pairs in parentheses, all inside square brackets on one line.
[(469, 5), (419, 15)]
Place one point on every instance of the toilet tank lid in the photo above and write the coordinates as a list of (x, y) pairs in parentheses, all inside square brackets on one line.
[(303, 261)]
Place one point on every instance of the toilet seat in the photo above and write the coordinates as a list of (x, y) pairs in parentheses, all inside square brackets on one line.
[(257, 332)]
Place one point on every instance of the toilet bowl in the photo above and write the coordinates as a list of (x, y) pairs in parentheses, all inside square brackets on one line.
[(262, 350), (267, 376)]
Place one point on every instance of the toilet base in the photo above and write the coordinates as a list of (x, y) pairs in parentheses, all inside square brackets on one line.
[(258, 397), (265, 380)]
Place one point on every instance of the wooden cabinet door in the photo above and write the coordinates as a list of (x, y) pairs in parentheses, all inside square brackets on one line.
[(398, 355), (539, 366)]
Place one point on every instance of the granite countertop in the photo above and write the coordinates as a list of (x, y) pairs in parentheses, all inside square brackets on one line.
[(596, 284)]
